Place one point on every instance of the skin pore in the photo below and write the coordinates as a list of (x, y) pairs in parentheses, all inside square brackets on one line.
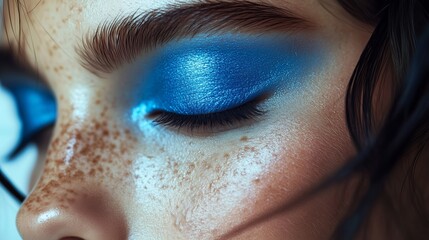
[(111, 172)]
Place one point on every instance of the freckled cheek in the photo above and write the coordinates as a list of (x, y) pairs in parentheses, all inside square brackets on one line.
[(206, 193), (215, 190), (276, 171)]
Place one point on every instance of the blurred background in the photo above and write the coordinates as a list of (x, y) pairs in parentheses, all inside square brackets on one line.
[(18, 169)]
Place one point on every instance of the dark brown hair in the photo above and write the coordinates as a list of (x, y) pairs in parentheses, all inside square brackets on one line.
[(391, 64)]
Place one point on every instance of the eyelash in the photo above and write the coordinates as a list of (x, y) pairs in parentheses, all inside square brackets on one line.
[(210, 122)]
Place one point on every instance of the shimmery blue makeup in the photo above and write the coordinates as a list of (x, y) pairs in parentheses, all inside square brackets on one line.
[(209, 74)]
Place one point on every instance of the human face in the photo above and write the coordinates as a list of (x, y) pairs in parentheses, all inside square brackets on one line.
[(120, 167)]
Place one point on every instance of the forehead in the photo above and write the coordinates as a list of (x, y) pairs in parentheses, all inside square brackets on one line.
[(128, 6), (93, 12), (80, 17)]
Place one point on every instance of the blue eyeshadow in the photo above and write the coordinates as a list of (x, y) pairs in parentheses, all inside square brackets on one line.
[(209, 74)]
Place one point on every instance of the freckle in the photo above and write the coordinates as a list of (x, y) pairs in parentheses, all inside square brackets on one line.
[(226, 155), (93, 160), (117, 133), (71, 191), (78, 174), (61, 67), (191, 166), (98, 102), (85, 150), (61, 176), (51, 53), (69, 77), (106, 133), (79, 136), (244, 139), (104, 111), (123, 150), (127, 132)]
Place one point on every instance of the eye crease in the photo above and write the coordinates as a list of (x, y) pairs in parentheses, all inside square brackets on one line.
[(213, 80)]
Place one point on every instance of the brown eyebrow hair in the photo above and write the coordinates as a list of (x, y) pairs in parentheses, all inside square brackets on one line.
[(123, 39)]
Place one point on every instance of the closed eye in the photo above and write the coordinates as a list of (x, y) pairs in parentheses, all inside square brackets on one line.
[(211, 122)]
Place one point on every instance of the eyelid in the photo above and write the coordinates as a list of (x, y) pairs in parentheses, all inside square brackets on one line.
[(208, 74), (210, 123)]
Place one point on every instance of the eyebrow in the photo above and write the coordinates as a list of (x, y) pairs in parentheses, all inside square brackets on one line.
[(124, 39)]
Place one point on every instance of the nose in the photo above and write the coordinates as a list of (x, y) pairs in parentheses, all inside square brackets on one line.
[(90, 217), (72, 201)]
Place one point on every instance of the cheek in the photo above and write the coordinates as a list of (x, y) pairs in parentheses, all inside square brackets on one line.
[(203, 190)]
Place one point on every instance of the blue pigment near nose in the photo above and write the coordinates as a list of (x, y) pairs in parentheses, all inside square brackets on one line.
[(209, 74)]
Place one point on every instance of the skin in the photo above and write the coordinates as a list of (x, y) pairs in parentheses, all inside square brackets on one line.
[(106, 177)]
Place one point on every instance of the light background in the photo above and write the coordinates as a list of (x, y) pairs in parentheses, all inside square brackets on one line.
[(18, 170)]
